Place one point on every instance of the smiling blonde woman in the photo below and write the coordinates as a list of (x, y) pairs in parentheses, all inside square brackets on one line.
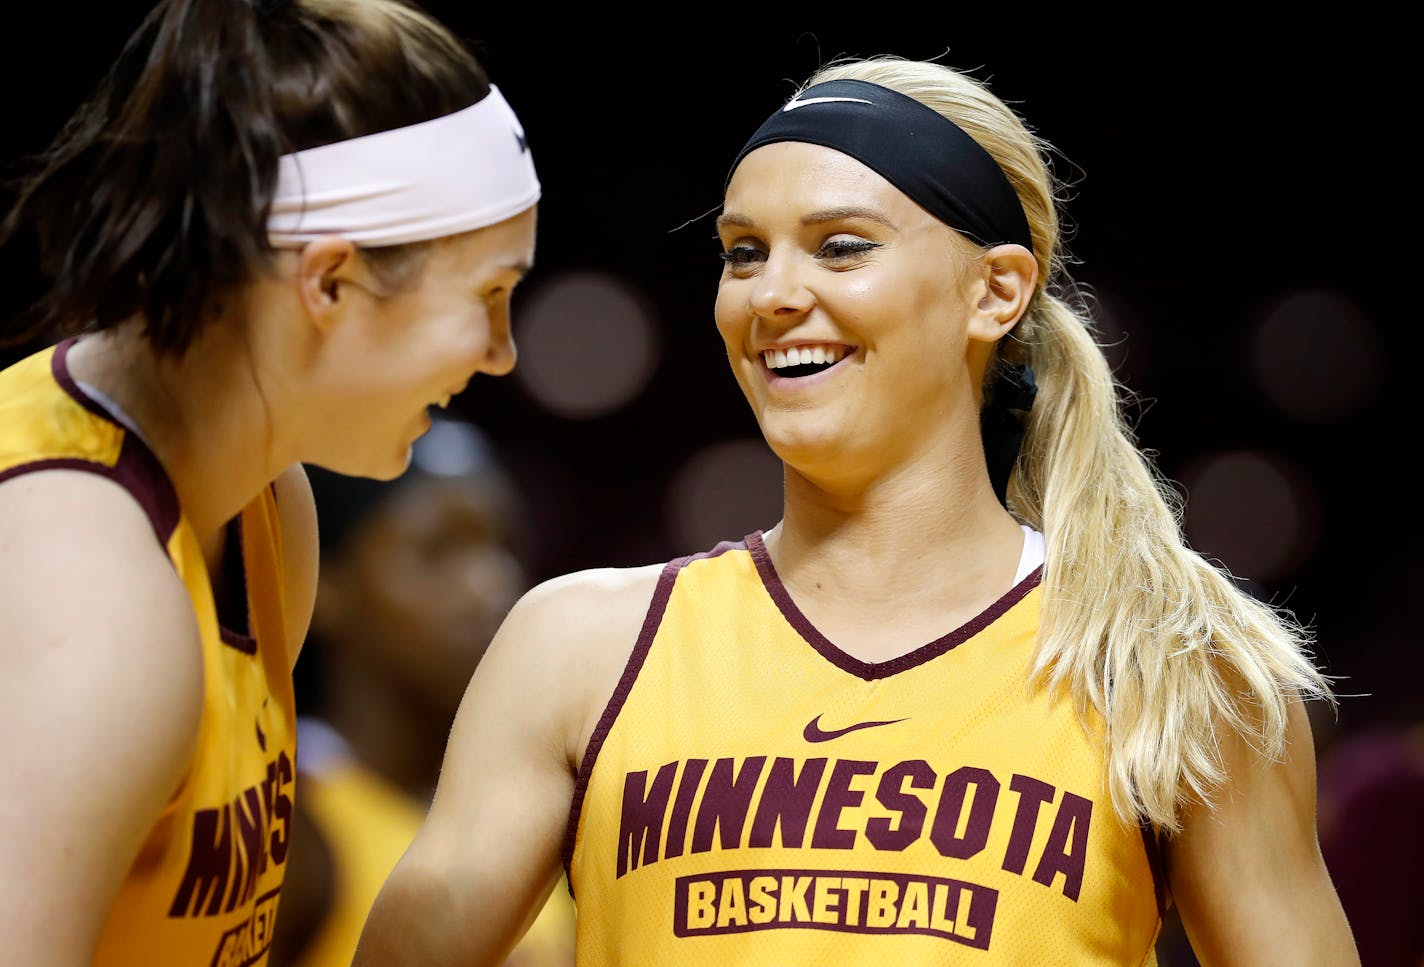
[(972, 700)]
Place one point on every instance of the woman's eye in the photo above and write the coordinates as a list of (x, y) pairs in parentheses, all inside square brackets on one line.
[(844, 248), (739, 255)]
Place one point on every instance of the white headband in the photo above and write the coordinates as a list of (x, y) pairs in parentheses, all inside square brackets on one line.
[(440, 177)]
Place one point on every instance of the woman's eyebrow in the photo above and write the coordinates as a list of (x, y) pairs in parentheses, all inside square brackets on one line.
[(814, 218), (850, 211)]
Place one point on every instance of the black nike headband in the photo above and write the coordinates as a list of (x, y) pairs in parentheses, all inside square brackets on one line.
[(912, 146)]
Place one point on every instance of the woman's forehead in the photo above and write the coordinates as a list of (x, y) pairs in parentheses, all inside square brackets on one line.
[(506, 246)]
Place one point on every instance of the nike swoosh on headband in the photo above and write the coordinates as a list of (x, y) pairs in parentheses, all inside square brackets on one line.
[(814, 733), (793, 105)]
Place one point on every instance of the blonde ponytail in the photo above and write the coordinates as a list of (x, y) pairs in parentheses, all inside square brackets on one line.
[(1162, 644), (1154, 642)]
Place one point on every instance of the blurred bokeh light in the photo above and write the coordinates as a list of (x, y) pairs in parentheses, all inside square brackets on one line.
[(588, 344), (723, 492), (1253, 511), (1318, 356)]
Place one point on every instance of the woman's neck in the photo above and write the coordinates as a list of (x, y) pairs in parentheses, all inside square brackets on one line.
[(203, 416), (929, 544)]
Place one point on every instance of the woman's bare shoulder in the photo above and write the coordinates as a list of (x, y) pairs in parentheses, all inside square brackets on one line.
[(613, 591), (584, 616), (568, 641)]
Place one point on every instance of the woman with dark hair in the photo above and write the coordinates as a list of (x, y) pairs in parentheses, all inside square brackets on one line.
[(276, 234)]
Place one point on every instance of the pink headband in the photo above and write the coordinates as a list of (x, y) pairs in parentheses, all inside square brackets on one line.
[(452, 174)]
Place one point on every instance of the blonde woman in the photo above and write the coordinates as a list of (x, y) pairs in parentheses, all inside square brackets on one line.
[(970, 701)]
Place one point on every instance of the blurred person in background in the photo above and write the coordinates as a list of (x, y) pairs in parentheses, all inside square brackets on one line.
[(415, 577)]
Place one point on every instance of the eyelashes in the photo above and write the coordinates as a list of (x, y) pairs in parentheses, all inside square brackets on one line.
[(832, 250), (739, 255), (846, 248)]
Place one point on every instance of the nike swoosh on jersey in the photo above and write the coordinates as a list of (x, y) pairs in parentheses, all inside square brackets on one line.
[(814, 733), (793, 105)]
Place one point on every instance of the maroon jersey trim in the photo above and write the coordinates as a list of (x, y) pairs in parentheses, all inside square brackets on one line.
[(651, 622), (137, 469), (871, 671), (139, 472)]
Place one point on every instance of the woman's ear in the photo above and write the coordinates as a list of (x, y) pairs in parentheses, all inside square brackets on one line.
[(1010, 275), (323, 267)]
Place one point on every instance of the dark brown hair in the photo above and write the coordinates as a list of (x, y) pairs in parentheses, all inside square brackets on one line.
[(152, 201)]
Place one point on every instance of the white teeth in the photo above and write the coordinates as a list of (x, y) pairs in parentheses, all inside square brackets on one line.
[(802, 355)]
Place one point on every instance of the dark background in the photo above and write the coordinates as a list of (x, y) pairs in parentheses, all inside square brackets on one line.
[(1215, 169)]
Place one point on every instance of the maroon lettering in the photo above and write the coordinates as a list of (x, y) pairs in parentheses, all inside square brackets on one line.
[(208, 863), (701, 805), (839, 797), (281, 809), (1032, 795), (793, 898), (641, 823), (234, 844), (269, 792), (786, 801), (951, 805), (892, 795), (248, 941), (725, 803), (682, 807), (1067, 846), (854, 901), (251, 859)]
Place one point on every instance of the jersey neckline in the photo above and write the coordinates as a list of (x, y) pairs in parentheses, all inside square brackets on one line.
[(155, 493), (872, 671)]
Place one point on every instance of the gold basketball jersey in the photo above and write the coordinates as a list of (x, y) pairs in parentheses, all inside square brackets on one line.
[(203, 889), (754, 795)]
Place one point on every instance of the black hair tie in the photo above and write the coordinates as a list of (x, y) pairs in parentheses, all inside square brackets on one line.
[(1003, 421)]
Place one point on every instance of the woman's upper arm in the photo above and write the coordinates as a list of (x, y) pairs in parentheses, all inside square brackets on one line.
[(99, 703), (296, 511), (1247, 873), (490, 849)]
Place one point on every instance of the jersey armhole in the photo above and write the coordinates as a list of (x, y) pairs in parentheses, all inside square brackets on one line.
[(154, 496), (136, 469), (652, 620)]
